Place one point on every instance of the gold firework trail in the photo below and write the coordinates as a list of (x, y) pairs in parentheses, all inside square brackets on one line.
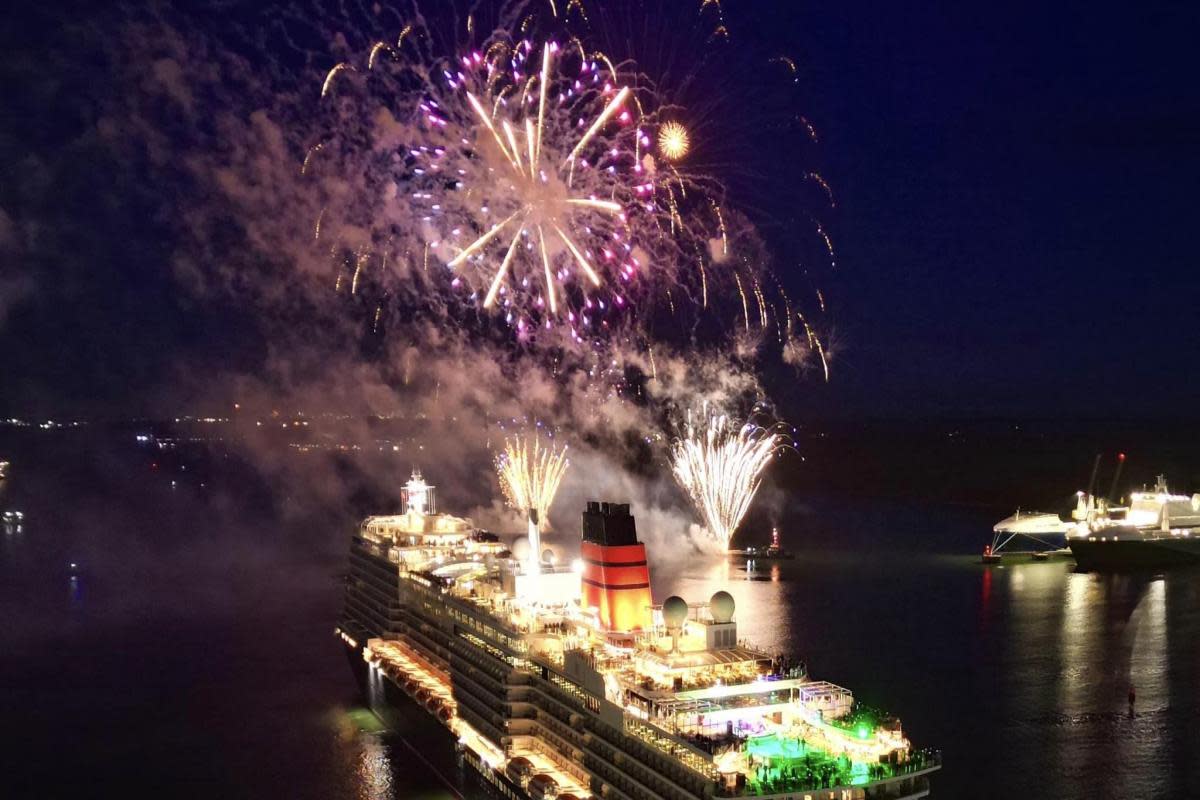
[(332, 74), (745, 305), (375, 51), (308, 157)]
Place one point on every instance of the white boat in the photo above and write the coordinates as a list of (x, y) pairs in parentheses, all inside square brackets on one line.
[(1158, 529), (1032, 523)]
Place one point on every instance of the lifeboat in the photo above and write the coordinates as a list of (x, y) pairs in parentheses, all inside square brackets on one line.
[(519, 769), (542, 786)]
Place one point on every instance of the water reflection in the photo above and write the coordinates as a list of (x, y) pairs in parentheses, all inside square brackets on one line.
[(375, 779), (1150, 659), (1020, 673), (1083, 600), (759, 592)]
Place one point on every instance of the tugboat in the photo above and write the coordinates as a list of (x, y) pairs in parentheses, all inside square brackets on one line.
[(772, 552), (1158, 529)]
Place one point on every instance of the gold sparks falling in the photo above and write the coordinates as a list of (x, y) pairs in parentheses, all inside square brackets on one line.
[(721, 226), (787, 62), (333, 73), (375, 51), (820, 181), (828, 243), (815, 343), (578, 6), (745, 305), (308, 157), (809, 129), (762, 304), (359, 263)]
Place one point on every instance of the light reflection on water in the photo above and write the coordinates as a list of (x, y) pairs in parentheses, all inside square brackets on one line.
[(375, 777), (1020, 673)]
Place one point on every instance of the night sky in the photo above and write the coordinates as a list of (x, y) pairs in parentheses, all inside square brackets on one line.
[(1015, 227)]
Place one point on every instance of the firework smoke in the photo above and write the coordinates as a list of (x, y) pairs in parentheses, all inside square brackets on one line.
[(352, 188)]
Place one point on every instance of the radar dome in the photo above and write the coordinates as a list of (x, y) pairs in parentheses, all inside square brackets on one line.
[(520, 548), (548, 556), (675, 611), (721, 606)]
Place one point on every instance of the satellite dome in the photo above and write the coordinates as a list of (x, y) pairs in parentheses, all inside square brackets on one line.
[(721, 606), (675, 611), (520, 548)]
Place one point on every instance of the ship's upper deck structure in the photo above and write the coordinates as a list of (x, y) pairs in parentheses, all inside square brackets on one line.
[(581, 676)]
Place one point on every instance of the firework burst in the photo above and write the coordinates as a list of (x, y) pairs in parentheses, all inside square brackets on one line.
[(720, 468), (519, 179), (673, 141)]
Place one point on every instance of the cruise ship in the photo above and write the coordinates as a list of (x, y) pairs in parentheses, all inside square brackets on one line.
[(1157, 529), (526, 679)]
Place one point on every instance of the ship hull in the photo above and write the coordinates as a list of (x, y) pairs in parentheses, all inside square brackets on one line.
[(425, 736), (1135, 554)]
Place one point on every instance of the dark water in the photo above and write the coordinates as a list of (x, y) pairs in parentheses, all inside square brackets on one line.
[(194, 657)]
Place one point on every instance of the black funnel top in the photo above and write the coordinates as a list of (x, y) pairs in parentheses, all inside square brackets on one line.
[(608, 524)]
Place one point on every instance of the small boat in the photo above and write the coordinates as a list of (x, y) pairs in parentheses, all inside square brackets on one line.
[(772, 552)]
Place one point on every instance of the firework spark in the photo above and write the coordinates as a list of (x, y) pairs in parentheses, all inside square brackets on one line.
[(530, 474), (328, 84), (520, 222), (719, 466)]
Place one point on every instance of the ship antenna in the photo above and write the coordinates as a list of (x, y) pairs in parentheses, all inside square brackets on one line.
[(1095, 471), (1116, 477)]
